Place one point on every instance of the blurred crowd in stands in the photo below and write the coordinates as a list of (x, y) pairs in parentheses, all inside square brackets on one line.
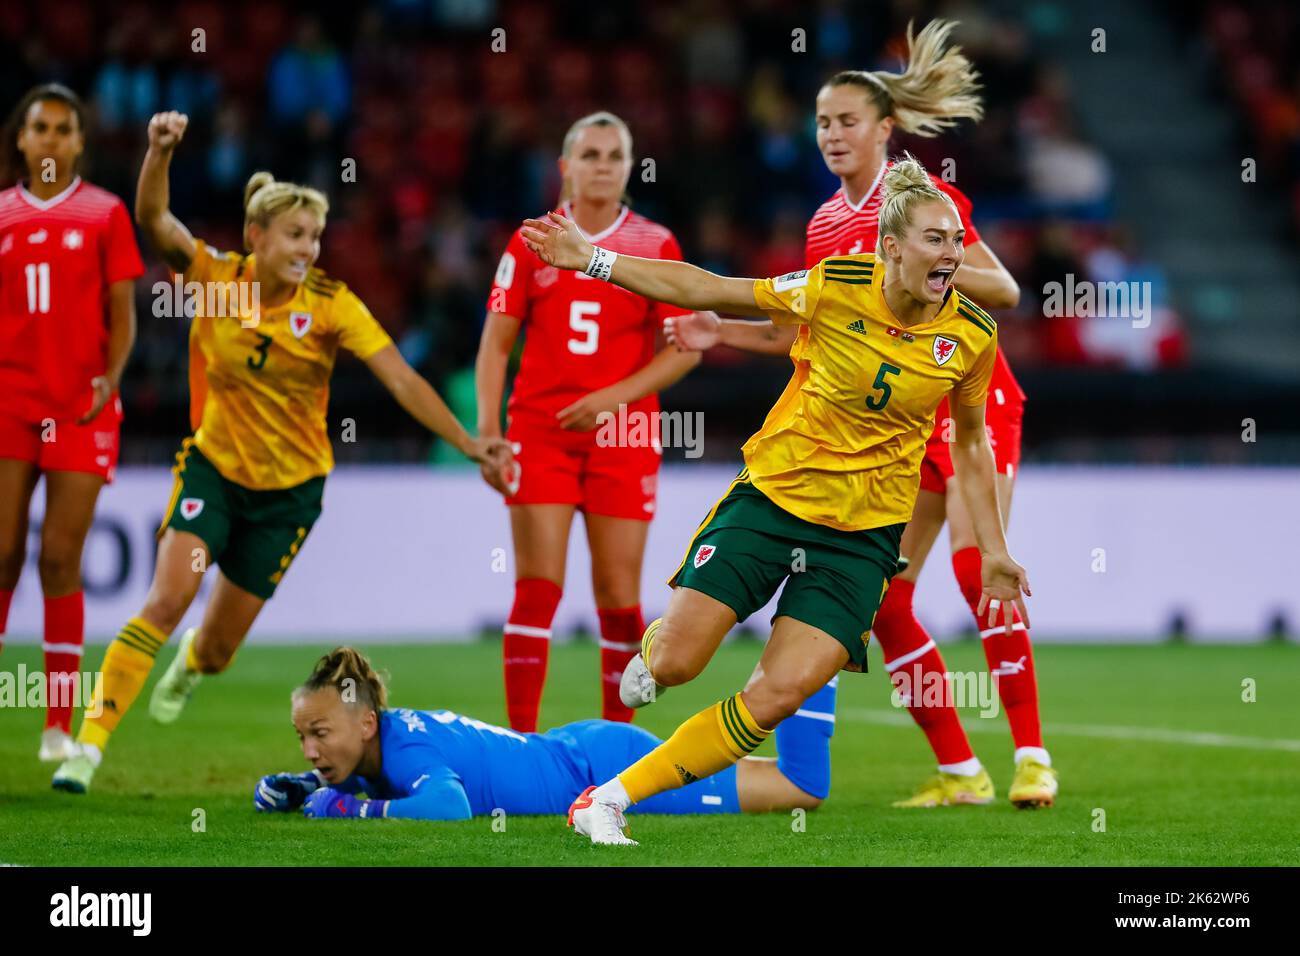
[(1255, 56), (454, 142)]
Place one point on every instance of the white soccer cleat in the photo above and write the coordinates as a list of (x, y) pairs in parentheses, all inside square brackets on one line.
[(57, 746), (172, 692), (637, 688), (603, 822)]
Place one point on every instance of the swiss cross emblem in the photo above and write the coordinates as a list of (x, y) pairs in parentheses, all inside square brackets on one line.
[(73, 238), (299, 323), (190, 508), (944, 348), (702, 555)]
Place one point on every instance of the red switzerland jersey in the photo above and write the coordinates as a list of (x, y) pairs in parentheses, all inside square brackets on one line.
[(581, 334), (57, 259), (839, 228)]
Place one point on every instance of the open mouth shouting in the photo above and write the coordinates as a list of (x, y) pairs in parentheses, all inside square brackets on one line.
[(939, 279)]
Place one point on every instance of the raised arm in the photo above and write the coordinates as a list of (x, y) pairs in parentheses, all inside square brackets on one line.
[(169, 237), (558, 243), (972, 461)]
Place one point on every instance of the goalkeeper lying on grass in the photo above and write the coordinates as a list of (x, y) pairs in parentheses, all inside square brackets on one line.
[(437, 765)]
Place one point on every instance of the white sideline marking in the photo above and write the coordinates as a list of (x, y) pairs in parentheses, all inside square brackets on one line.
[(1154, 734)]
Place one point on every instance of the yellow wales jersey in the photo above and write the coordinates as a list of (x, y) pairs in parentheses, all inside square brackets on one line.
[(259, 381), (842, 447)]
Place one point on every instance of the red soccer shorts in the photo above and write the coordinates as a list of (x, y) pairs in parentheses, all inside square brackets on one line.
[(1002, 420), (575, 468), (66, 446)]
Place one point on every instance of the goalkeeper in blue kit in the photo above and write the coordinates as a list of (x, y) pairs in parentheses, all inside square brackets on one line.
[(370, 761)]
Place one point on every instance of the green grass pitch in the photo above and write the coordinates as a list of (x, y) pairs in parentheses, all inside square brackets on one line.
[(1120, 723)]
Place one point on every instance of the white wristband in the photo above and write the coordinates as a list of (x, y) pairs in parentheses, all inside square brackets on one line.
[(601, 265)]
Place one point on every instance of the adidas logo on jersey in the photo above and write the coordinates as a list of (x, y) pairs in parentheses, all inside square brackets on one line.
[(857, 326)]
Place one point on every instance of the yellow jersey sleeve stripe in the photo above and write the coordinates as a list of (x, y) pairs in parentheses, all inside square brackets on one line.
[(982, 325), (978, 310), (974, 310), (849, 263)]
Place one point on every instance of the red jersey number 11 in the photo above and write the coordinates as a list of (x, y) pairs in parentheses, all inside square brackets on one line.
[(38, 286)]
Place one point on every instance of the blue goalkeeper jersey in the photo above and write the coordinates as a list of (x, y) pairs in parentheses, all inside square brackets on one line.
[(443, 766)]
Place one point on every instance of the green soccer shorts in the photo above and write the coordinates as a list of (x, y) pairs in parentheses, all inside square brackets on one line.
[(834, 580)]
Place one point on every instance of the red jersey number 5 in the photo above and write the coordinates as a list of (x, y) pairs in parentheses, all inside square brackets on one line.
[(590, 329)]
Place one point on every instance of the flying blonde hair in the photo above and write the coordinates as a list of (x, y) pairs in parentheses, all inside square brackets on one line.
[(266, 197), (937, 87)]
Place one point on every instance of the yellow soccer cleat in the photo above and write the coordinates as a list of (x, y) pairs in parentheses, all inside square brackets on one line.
[(1034, 785), (950, 789)]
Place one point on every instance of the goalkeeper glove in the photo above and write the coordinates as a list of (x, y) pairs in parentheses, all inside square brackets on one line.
[(284, 791)]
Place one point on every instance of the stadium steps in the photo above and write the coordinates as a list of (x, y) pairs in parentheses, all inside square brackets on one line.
[(1177, 181)]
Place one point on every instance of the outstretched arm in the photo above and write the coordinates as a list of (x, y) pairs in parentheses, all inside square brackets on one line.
[(972, 460), (699, 331), (423, 404), (558, 243), (165, 232)]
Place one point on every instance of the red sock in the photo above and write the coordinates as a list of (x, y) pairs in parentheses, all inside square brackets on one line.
[(620, 641), (910, 656), (525, 648), (1010, 657), (65, 630)]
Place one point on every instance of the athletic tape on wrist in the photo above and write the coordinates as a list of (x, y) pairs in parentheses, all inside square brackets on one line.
[(601, 265)]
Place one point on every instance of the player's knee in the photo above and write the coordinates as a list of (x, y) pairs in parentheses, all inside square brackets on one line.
[(60, 563), (615, 589), (670, 665), (773, 699), (807, 801), (164, 610)]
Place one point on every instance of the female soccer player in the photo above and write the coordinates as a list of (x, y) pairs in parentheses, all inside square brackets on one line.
[(588, 360), (249, 482), (437, 765), (68, 265), (856, 115), (829, 480)]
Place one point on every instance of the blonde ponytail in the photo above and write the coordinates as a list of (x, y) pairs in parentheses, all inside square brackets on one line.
[(906, 185), (349, 672), (265, 197), (937, 88)]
